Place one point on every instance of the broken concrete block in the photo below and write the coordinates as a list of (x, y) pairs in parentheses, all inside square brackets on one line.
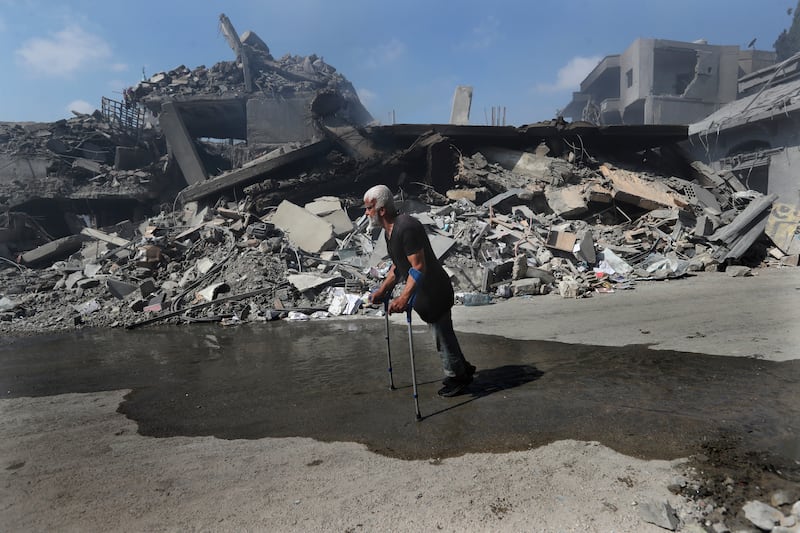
[(704, 226), (105, 237), (440, 244), (561, 240), (520, 267), (567, 202), (630, 188), (341, 223), (92, 166), (527, 287), (537, 167), (738, 271), (323, 205), (305, 230), (120, 289), (783, 227), (73, 279), (477, 195), (762, 515), (596, 192), (91, 269), (147, 287), (661, 514), (304, 282), (504, 200)]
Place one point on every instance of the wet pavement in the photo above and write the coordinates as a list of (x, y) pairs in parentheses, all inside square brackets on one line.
[(328, 380)]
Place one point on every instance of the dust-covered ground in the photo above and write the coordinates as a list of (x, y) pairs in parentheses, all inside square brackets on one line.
[(72, 462)]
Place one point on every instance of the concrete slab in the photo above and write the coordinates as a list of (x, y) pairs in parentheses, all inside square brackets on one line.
[(305, 230), (304, 282), (323, 205), (181, 144), (630, 188), (53, 251), (568, 201), (342, 225), (105, 237)]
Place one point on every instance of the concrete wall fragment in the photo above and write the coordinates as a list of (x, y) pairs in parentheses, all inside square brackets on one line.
[(305, 230), (181, 144)]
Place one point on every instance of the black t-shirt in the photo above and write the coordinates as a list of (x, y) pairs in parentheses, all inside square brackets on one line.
[(435, 293)]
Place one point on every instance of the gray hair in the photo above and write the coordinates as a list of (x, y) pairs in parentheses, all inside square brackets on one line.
[(383, 198)]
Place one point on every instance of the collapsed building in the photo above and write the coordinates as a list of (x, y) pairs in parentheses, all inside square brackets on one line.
[(233, 194)]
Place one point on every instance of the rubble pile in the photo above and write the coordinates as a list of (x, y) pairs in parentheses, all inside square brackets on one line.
[(78, 157), (571, 228), (282, 78), (254, 72)]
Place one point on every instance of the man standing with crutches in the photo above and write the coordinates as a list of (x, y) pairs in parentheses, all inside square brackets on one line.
[(427, 286)]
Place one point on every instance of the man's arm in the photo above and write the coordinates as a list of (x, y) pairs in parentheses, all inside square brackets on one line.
[(399, 304), (386, 287)]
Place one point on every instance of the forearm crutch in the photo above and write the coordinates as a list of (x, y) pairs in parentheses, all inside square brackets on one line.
[(388, 343), (413, 370)]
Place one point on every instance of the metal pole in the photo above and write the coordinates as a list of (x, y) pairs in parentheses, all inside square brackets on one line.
[(413, 370), (388, 344)]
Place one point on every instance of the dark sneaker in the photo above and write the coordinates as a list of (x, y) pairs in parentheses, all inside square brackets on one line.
[(454, 386), (471, 370)]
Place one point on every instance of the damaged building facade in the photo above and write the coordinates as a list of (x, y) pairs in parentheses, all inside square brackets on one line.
[(658, 81), (757, 136)]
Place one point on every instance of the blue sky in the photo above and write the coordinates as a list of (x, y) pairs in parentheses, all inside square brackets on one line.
[(403, 57)]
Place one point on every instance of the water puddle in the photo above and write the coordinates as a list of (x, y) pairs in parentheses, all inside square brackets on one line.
[(328, 380)]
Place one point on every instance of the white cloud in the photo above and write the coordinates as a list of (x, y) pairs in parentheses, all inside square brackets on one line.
[(386, 53), (367, 97), (81, 106), (66, 52), (571, 75)]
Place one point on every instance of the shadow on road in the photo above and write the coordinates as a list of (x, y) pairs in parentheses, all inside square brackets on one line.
[(492, 380)]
